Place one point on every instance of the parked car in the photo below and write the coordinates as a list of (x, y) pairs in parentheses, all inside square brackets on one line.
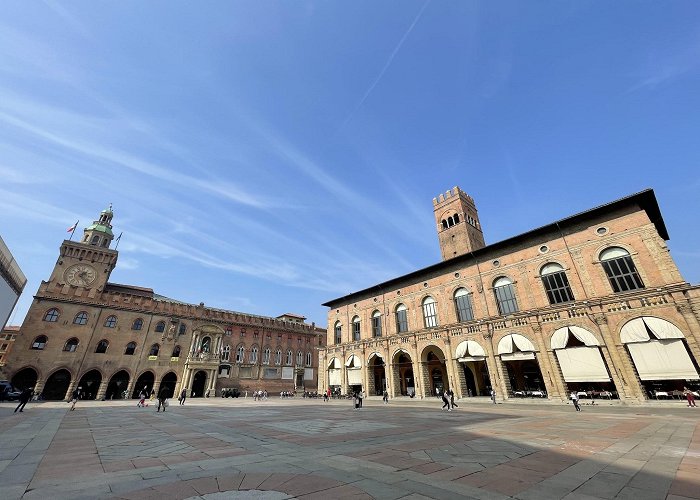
[(13, 395)]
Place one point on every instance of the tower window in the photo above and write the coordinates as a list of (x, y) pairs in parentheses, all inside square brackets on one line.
[(621, 271), (102, 346), (456, 218), (39, 343), (95, 240), (556, 284), (505, 296), (81, 318), (111, 322), (51, 315), (444, 224), (130, 348)]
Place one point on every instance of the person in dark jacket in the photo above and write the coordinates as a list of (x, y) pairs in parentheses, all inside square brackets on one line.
[(183, 396), (24, 399), (162, 396)]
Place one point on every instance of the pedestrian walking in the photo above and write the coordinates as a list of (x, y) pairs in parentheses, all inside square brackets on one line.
[(23, 399), (162, 398), (360, 397), (445, 401), (74, 398), (574, 400), (493, 396), (385, 397), (183, 396), (451, 395), (355, 401), (690, 397)]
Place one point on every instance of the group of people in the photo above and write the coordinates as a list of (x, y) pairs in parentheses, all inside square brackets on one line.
[(259, 395), (448, 400), (163, 394), (357, 398)]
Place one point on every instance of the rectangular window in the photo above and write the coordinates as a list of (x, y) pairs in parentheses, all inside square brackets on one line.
[(622, 274), (401, 321), (557, 287), (338, 334), (463, 304), (505, 298), (430, 315), (377, 326), (356, 331)]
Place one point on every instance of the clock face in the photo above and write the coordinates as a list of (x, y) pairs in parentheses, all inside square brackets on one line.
[(80, 275)]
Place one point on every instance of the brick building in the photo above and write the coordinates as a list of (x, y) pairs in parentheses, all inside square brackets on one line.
[(593, 303), (113, 340)]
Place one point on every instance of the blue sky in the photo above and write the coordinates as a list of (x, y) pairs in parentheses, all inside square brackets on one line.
[(268, 156)]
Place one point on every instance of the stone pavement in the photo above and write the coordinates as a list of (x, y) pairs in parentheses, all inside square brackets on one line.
[(234, 448)]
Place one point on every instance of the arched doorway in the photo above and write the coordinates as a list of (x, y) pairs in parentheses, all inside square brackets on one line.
[(518, 355), (470, 380), (434, 360), (144, 383), (472, 356), (89, 384), (117, 385), (377, 374), (57, 385), (404, 371), (25, 378), (168, 382), (199, 383)]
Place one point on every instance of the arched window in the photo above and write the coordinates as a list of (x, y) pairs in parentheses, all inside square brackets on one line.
[(278, 357), (206, 344), (240, 354), (356, 328), (450, 221), (254, 355), (338, 333), (95, 240), (102, 346), (505, 296), (308, 359), (160, 327), (376, 324), (182, 330), (456, 218), (620, 268), (429, 312), (556, 284), (130, 349), (176, 352), (266, 357), (111, 322), (71, 345), (401, 318), (81, 318), (290, 358), (300, 358), (444, 224), (51, 315), (463, 305), (226, 353), (137, 324), (39, 343), (155, 348)]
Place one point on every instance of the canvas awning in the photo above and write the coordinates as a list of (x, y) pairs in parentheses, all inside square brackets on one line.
[(514, 342), (582, 364), (638, 329), (662, 360), (561, 337)]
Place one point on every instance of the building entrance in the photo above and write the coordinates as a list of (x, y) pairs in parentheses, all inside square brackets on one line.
[(168, 382), (89, 384), (403, 368), (24, 379), (116, 389), (144, 383), (199, 383), (57, 386), (377, 369), (434, 358)]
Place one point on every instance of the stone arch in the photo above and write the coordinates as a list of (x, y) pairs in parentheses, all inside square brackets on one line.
[(145, 381), (57, 383), (118, 383), (25, 378), (89, 383)]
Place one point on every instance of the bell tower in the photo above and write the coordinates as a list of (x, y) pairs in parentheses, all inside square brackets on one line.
[(87, 264), (458, 226)]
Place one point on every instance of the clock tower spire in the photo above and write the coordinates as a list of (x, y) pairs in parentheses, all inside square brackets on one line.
[(99, 233)]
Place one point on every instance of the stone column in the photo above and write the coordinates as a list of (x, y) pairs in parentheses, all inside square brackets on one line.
[(389, 374), (71, 387), (555, 377), (102, 390), (621, 362), (130, 387), (39, 386), (691, 336)]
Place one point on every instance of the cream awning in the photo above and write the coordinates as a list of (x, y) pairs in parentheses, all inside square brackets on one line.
[(582, 364), (374, 354), (662, 360), (355, 376), (508, 343), (353, 361), (561, 337), (471, 349), (636, 330), (334, 377), (334, 364)]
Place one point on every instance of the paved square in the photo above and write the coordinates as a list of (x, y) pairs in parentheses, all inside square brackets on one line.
[(276, 449)]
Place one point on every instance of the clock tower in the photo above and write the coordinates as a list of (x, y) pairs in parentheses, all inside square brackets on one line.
[(87, 264)]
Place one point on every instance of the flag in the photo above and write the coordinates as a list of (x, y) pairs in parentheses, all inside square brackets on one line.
[(72, 228)]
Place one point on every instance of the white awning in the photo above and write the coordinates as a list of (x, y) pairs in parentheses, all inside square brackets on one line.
[(334, 377), (582, 364), (662, 360), (353, 361), (334, 364), (517, 356), (469, 348), (506, 345), (374, 354), (561, 336), (636, 330), (355, 376)]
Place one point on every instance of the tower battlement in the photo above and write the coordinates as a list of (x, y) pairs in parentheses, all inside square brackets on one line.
[(458, 226), (449, 194)]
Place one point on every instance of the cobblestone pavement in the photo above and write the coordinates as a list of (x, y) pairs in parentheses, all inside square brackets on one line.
[(236, 448)]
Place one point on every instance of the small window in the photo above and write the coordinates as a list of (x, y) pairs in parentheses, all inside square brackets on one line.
[(266, 357), (81, 318), (51, 315), (137, 324), (505, 296), (111, 322), (205, 346), (102, 346), (71, 345), (620, 269), (290, 357), (401, 319), (278, 357), (155, 349), (130, 349), (240, 354), (254, 355), (556, 284), (160, 327), (463, 305), (39, 343), (226, 353), (430, 312), (376, 324), (228, 331), (95, 240), (338, 333), (300, 358), (308, 359), (176, 352), (356, 328), (182, 329)]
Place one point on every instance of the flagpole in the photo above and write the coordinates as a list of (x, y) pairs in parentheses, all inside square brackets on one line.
[(118, 238), (73, 231)]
